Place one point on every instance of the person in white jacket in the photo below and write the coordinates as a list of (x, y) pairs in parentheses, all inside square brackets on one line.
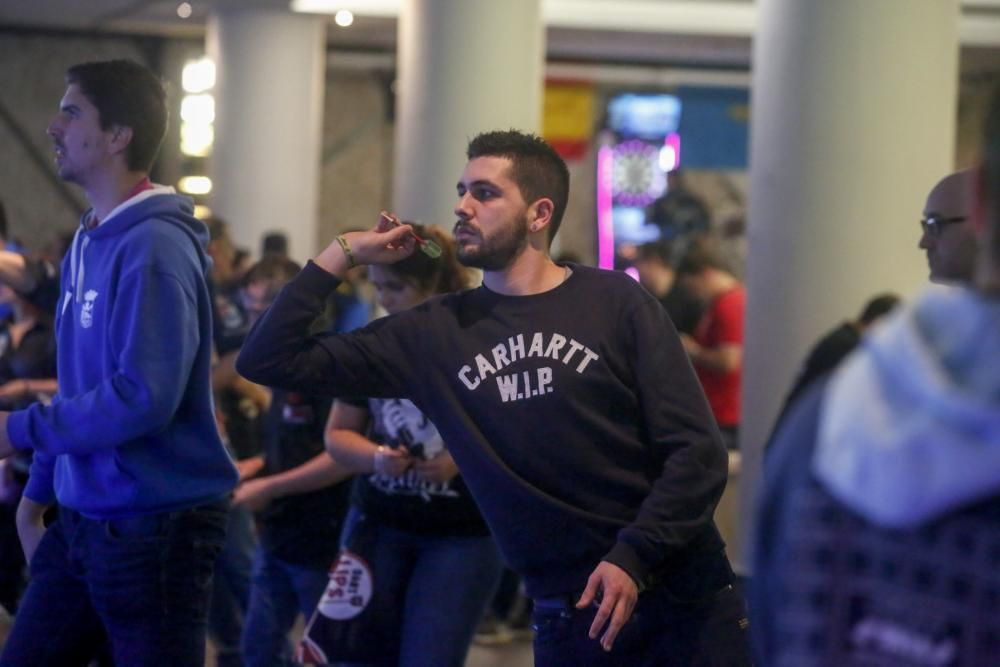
[(877, 540)]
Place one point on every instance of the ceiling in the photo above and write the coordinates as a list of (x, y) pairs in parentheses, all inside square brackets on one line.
[(702, 33)]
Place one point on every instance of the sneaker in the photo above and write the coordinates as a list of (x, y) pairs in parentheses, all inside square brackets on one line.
[(491, 632)]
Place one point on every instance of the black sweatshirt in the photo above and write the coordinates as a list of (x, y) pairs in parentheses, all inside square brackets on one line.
[(574, 415)]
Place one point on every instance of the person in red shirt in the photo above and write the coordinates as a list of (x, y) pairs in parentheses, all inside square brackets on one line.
[(716, 347)]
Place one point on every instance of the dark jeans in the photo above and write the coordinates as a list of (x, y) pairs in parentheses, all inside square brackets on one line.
[(231, 589), (142, 582), (429, 591), (281, 591), (662, 632)]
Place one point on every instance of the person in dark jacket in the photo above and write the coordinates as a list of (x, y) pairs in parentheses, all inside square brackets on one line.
[(570, 408), (876, 540)]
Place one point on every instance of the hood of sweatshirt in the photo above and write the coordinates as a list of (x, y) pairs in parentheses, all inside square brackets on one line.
[(909, 427), (160, 202)]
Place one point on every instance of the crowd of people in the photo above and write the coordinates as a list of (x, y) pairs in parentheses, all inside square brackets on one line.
[(192, 446)]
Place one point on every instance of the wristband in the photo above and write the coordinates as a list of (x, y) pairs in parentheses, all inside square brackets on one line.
[(346, 247)]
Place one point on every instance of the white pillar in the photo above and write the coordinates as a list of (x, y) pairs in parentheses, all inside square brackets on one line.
[(268, 128), (464, 67), (853, 121)]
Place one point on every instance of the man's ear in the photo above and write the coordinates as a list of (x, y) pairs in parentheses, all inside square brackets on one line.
[(121, 137), (540, 214)]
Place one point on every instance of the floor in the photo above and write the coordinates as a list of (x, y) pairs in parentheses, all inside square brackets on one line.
[(515, 654)]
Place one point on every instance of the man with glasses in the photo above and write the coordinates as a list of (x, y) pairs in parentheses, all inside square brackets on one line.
[(947, 236)]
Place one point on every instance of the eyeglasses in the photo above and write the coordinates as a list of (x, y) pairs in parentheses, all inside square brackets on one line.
[(933, 225)]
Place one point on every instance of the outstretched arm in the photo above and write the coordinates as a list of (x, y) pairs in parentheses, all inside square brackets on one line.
[(279, 353), (316, 473)]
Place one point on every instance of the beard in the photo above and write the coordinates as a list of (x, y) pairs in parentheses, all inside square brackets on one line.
[(496, 252)]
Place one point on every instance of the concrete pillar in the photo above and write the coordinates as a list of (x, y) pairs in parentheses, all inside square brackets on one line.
[(464, 66), (265, 164), (853, 121)]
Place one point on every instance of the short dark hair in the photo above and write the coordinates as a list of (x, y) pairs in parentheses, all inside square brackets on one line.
[(661, 251), (217, 228), (991, 163), (128, 95), (274, 243), (878, 306), (702, 253), (536, 167), (432, 275), (272, 269)]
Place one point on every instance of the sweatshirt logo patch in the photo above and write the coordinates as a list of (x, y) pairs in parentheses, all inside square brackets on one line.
[(87, 314), (518, 386)]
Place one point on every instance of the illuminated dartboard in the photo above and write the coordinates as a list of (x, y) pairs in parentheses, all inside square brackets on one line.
[(636, 175)]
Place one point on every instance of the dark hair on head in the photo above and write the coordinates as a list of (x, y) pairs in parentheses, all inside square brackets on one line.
[(878, 306), (432, 276), (272, 269), (535, 166), (128, 95), (991, 161), (274, 243), (217, 228), (661, 251), (702, 253)]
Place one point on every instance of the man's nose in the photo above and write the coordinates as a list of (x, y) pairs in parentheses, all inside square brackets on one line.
[(462, 209)]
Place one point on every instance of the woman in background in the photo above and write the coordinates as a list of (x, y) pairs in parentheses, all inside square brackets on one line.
[(434, 564)]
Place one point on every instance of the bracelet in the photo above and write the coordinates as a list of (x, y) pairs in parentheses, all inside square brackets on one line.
[(379, 459), (346, 247)]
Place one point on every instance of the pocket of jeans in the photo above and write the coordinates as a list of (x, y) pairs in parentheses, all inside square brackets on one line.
[(143, 529), (551, 626)]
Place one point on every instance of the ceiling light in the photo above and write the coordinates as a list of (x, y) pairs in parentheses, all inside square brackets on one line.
[(343, 18)]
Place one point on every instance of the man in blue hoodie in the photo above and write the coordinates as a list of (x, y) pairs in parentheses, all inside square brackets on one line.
[(128, 448)]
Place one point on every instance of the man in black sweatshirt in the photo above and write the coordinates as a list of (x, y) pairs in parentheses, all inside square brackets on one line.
[(566, 399)]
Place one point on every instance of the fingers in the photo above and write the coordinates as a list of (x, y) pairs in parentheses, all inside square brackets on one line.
[(620, 615), (617, 600), (589, 593)]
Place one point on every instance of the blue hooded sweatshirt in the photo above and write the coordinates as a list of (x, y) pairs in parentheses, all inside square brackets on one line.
[(132, 429)]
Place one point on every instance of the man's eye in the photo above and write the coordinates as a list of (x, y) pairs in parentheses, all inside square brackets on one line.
[(482, 194)]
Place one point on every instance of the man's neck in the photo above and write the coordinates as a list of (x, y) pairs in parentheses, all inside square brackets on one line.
[(106, 194), (531, 272)]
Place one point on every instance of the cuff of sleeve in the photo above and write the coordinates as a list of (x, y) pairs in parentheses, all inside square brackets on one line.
[(40, 492), (626, 558), (17, 430), (314, 277)]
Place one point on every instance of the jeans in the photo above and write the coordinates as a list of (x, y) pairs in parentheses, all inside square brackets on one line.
[(139, 584), (662, 632), (231, 589), (433, 589), (280, 590)]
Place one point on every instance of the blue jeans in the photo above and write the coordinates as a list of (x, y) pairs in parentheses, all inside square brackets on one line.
[(433, 589), (280, 590), (663, 631), (141, 584), (231, 588)]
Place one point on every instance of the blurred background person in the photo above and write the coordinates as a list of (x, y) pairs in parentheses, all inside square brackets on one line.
[(434, 562), (716, 346)]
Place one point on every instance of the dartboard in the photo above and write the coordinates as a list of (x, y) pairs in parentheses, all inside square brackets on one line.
[(636, 176)]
